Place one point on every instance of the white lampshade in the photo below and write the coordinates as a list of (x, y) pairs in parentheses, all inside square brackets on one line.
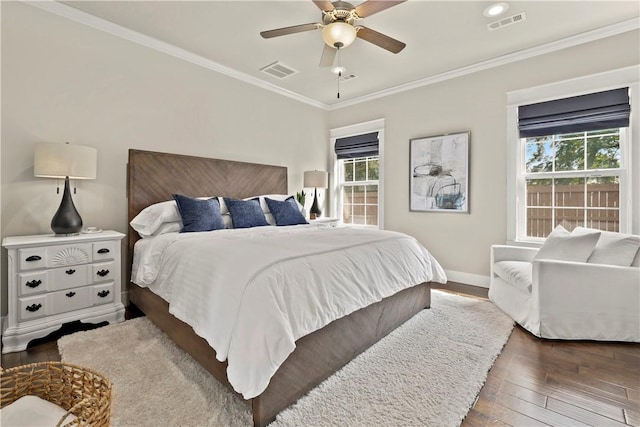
[(57, 160), (316, 179), (339, 32)]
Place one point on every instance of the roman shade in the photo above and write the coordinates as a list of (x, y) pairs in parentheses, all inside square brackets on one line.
[(364, 145), (595, 111)]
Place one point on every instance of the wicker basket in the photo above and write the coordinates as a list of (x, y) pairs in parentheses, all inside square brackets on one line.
[(80, 391)]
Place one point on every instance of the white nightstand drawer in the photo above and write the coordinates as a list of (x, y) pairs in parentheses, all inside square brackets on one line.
[(32, 258), (33, 307), (69, 300), (32, 283), (70, 276), (103, 271), (74, 254), (104, 251), (102, 294)]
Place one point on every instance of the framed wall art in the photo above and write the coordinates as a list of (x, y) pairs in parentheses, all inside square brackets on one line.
[(440, 173)]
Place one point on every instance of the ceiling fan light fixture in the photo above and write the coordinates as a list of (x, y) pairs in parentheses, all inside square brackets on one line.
[(338, 70), (339, 32), (496, 9)]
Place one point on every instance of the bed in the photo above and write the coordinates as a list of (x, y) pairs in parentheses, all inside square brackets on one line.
[(153, 177)]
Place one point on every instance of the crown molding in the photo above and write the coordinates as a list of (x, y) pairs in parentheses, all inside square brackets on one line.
[(79, 16), (586, 37), (109, 27)]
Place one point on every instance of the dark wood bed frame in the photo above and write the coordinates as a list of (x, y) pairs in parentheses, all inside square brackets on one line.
[(153, 177)]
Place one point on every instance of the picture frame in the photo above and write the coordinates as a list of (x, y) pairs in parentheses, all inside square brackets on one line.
[(439, 173)]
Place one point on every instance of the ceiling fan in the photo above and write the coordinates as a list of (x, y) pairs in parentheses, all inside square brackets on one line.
[(339, 29)]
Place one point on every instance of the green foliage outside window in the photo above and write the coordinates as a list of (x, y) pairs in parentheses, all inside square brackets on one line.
[(361, 169), (567, 153)]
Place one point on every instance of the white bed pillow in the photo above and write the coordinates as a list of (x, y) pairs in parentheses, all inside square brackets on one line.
[(224, 210), (165, 227), (563, 246), (149, 220), (612, 248)]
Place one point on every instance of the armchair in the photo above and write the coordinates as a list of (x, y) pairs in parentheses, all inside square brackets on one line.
[(567, 299)]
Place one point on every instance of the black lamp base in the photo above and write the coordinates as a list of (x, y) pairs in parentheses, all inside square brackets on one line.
[(66, 221), (315, 209)]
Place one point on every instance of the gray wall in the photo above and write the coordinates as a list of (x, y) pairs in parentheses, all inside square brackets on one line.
[(63, 81)]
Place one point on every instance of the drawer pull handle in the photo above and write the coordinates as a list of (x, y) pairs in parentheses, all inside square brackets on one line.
[(103, 251), (102, 273), (34, 258), (33, 307), (103, 294), (70, 271), (70, 294), (33, 283)]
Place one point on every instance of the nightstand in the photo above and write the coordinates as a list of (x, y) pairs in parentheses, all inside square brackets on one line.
[(56, 280), (329, 222)]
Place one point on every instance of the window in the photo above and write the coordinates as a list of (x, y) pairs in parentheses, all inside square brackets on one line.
[(570, 158), (572, 180), (358, 172), (359, 188)]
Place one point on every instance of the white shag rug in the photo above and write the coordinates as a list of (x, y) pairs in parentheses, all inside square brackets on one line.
[(427, 372)]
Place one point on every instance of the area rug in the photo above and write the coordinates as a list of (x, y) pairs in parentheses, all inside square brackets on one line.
[(427, 372)]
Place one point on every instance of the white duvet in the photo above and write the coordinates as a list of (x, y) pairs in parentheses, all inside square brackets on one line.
[(251, 293)]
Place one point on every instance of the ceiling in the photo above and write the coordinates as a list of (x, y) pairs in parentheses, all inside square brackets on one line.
[(441, 37)]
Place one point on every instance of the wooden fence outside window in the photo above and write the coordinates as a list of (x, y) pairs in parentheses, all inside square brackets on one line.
[(358, 209), (602, 206)]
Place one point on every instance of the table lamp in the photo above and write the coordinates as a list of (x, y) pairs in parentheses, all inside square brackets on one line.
[(57, 160), (316, 179)]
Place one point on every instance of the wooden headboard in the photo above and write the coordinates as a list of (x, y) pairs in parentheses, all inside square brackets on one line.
[(153, 177)]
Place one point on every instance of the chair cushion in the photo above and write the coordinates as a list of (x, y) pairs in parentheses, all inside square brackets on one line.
[(33, 411), (612, 248), (563, 246), (516, 273)]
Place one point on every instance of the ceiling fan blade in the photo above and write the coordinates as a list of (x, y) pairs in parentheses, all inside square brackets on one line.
[(379, 39), (370, 7), (289, 30), (328, 56), (323, 5)]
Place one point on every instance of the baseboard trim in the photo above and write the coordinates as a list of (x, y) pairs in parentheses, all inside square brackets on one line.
[(468, 278)]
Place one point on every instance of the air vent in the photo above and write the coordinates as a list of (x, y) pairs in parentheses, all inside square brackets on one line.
[(507, 21), (278, 70), (348, 77)]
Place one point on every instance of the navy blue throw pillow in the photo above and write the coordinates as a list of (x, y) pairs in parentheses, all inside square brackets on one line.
[(285, 212), (245, 213), (199, 214)]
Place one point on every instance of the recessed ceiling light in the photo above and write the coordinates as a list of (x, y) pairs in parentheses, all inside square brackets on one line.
[(338, 70), (496, 9)]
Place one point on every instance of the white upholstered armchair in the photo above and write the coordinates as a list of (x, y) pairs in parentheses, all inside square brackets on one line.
[(571, 299)]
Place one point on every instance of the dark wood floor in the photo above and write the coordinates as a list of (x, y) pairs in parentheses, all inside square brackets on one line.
[(537, 382), (533, 382)]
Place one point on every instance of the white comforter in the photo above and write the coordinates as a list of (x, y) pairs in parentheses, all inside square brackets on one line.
[(252, 293)]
